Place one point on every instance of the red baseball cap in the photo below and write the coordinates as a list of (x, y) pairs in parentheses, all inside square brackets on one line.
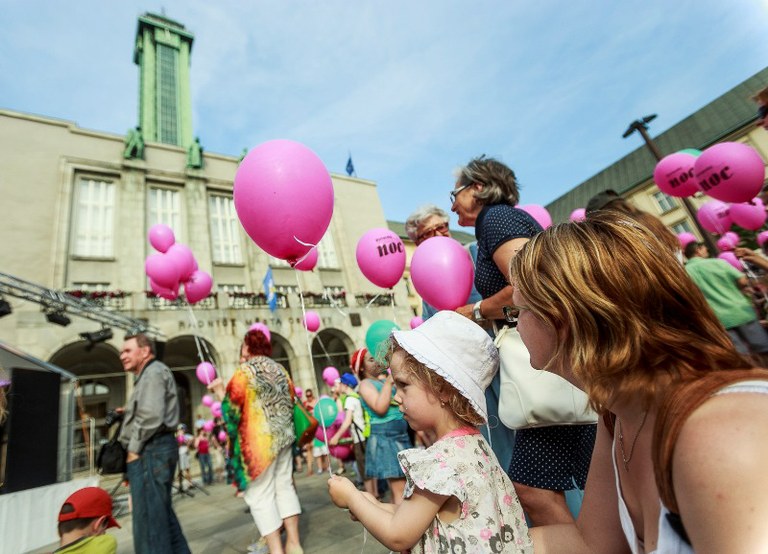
[(90, 502)]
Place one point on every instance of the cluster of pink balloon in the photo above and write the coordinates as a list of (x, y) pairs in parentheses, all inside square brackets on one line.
[(283, 196), (173, 265)]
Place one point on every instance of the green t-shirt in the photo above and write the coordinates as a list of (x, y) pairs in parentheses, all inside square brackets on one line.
[(717, 279), (101, 544)]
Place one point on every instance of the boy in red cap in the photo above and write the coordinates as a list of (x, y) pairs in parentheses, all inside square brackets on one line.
[(83, 519)]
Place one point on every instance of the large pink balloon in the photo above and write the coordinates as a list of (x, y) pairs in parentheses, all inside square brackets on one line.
[(258, 326), (165, 292), (161, 237), (749, 215), (205, 372), (162, 270), (725, 244), (416, 321), (685, 238), (674, 174), (330, 374), (731, 258), (733, 237), (311, 321), (284, 197), (380, 256), (579, 214), (198, 286), (730, 171), (309, 262), (442, 272), (762, 237), (184, 260), (714, 216), (539, 213)]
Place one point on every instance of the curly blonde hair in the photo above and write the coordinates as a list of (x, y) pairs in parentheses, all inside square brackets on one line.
[(437, 386), (629, 317)]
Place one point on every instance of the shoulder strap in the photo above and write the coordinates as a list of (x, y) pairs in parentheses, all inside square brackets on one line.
[(677, 404)]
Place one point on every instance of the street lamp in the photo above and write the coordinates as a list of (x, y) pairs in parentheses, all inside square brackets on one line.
[(641, 126)]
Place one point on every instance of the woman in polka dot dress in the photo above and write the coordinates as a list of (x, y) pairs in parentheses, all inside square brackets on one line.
[(546, 461)]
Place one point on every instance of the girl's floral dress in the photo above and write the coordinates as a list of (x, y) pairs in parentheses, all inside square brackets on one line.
[(461, 464)]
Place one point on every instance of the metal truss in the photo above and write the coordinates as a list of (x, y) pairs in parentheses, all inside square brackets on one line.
[(57, 302)]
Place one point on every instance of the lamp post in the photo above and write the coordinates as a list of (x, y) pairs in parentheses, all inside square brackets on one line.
[(641, 126)]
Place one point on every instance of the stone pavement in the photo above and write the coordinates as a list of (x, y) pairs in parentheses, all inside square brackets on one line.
[(218, 524)]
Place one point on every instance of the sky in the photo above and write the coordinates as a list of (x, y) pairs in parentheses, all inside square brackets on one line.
[(411, 89)]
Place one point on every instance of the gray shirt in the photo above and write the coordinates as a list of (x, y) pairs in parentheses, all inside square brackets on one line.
[(153, 407)]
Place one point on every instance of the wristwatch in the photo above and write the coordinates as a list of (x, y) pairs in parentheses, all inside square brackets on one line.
[(476, 311), (510, 315)]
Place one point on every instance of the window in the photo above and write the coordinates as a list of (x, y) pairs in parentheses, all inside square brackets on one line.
[(665, 203), (287, 289), (165, 207), (232, 288), (94, 218), (225, 230), (90, 287), (167, 101), (326, 253), (278, 262), (682, 227)]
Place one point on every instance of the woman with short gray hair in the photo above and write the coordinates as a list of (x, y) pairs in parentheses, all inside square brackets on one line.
[(426, 222)]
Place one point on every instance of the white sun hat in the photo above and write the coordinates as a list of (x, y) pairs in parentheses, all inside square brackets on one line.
[(458, 350)]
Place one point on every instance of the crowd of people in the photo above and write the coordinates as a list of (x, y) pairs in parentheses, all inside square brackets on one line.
[(665, 343)]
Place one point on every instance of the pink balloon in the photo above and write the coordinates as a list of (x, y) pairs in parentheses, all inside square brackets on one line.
[(161, 237), (714, 216), (284, 197), (731, 258), (674, 175), (309, 262), (162, 270), (442, 272), (749, 215), (762, 237), (416, 321), (205, 372), (342, 452), (216, 409), (539, 213), (380, 256), (183, 259), (181, 439), (312, 321), (299, 391), (198, 286), (686, 238), (330, 374), (579, 214), (734, 237), (208, 426), (207, 400), (163, 292), (222, 436), (730, 171), (258, 326), (725, 244)]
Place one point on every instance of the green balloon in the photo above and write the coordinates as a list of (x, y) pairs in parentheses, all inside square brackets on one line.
[(326, 411), (377, 338), (691, 151)]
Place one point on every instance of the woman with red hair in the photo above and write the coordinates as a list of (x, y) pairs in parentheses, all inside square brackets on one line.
[(389, 431), (257, 405)]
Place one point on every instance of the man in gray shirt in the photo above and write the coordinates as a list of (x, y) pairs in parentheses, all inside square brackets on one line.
[(150, 419)]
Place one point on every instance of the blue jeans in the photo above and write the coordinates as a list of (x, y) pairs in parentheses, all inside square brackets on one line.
[(206, 467), (156, 529)]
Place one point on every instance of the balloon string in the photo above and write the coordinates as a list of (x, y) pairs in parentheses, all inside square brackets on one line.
[(327, 446), (394, 312), (193, 322), (304, 257), (368, 305), (322, 346), (304, 318)]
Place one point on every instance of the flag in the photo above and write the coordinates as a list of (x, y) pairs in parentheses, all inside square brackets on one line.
[(269, 290), (350, 166)]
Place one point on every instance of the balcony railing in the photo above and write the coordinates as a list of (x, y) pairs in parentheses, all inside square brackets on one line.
[(109, 299), (387, 299), (247, 300), (315, 300), (154, 302)]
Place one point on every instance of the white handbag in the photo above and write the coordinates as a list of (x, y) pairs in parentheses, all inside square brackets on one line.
[(534, 398)]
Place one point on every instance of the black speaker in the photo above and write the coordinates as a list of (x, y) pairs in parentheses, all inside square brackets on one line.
[(30, 433)]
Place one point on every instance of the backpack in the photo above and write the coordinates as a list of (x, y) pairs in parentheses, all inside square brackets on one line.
[(365, 432)]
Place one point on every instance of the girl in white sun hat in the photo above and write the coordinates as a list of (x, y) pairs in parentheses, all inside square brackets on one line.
[(457, 497)]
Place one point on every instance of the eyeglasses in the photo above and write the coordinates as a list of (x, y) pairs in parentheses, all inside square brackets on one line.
[(762, 111), (455, 192), (440, 228)]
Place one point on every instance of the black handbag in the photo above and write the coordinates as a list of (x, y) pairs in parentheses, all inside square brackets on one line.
[(112, 455)]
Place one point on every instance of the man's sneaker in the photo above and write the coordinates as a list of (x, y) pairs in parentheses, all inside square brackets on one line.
[(259, 547)]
